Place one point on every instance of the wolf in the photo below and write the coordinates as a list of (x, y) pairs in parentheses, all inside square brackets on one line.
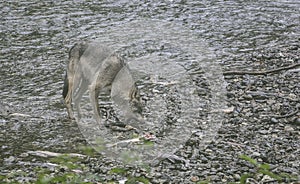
[(95, 67)]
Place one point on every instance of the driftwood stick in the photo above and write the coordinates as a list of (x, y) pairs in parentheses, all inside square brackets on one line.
[(54, 154), (233, 72)]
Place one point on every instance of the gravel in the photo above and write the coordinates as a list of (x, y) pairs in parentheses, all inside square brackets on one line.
[(263, 125)]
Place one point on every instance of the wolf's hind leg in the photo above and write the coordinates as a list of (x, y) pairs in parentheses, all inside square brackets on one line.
[(66, 96)]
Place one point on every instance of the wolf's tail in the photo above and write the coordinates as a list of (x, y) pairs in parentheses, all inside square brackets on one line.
[(66, 86)]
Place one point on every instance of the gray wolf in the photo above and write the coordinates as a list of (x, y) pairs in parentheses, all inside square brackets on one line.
[(94, 67)]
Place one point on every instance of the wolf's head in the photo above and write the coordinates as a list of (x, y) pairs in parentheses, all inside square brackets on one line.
[(125, 94), (135, 106)]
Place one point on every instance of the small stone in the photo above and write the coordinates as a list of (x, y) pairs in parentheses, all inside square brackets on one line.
[(248, 97), (293, 97), (256, 154), (208, 151), (228, 110), (24, 155), (266, 178), (245, 123), (297, 121), (223, 180), (10, 159), (264, 132), (274, 120), (288, 128), (179, 120), (194, 178)]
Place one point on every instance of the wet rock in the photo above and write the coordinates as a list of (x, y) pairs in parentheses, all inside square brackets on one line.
[(195, 179), (10, 160), (256, 154), (248, 97), (236, 176), (274, 120), (288, 128), (296, 121)]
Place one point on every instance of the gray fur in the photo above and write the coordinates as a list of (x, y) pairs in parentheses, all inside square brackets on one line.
[(94, 67)]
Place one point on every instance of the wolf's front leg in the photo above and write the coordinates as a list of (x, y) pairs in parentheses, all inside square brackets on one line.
[(94, 93), (81, 87)]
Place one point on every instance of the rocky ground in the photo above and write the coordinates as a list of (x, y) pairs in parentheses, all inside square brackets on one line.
[(264, 125)]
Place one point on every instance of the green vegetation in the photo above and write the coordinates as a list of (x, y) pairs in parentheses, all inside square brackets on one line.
[(69, 169), (265, 170)]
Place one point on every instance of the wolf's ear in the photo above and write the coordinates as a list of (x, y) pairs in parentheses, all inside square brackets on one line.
[(82, 47), (72, 49), (78, 49)]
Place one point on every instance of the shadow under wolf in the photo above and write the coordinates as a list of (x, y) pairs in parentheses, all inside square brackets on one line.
[(94, 67)]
